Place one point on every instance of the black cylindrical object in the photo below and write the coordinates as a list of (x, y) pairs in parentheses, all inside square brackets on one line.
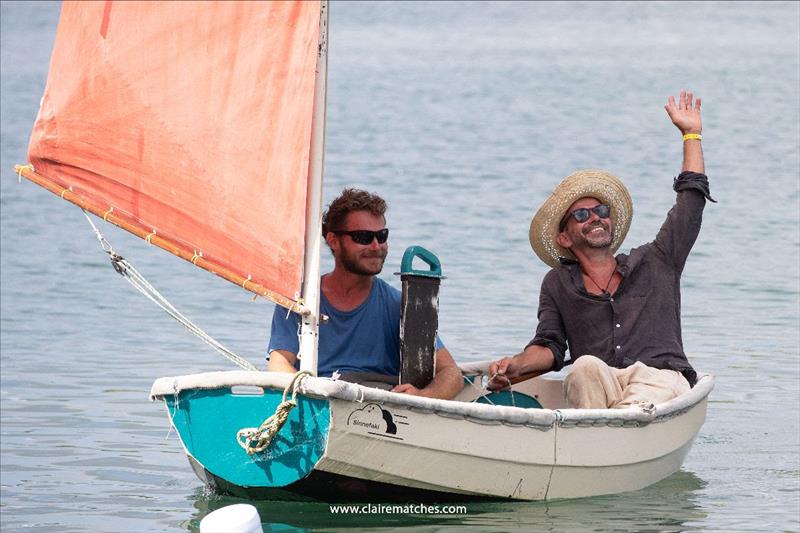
[(419, 318)]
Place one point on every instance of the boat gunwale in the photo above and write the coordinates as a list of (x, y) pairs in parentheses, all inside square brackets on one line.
[(544, 419)]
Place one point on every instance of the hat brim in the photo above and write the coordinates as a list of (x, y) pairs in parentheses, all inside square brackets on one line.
[(598, 184)]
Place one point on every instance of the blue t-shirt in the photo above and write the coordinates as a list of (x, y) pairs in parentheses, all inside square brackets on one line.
[(366, 339)]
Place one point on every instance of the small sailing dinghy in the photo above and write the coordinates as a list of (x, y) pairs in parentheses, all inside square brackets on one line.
[(199, 127)]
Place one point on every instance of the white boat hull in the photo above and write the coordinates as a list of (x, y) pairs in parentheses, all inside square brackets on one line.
[(377, 440)]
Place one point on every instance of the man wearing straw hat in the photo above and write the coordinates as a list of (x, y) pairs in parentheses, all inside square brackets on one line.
[(618, 315)]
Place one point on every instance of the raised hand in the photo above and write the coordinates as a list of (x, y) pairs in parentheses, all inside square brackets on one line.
[(683, 114)]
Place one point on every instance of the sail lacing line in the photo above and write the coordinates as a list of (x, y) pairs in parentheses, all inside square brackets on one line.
[(127, 271), (255, 440)]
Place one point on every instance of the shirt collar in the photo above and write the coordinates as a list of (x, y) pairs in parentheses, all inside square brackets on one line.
[(625, 264)]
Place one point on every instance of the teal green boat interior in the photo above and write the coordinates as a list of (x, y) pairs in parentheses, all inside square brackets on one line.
[(208, 422), (509, 398)]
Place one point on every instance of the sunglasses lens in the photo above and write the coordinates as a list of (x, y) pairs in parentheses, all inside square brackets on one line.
[(581, 215), (362, 236), (365, 237)]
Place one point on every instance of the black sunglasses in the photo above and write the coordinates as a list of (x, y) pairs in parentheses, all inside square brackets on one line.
[(582, 215), (365, 236)]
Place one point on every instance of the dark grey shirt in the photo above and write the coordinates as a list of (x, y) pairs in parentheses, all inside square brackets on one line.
[(641, 321)]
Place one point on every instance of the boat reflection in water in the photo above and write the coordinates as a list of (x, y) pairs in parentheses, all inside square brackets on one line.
[(677, 509)]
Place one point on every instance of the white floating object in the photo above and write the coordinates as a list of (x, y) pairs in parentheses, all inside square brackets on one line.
[(238, 518)]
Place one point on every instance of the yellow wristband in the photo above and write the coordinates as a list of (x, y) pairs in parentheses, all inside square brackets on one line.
[(692, 136)]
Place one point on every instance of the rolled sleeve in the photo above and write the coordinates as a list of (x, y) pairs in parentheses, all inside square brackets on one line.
[(692, 180), (558, 353), (682, 226)]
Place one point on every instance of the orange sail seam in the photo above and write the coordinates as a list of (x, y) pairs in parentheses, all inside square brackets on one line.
[(165, 243)]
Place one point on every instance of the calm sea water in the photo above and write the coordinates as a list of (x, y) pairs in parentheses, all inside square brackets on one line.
[(463, 116)]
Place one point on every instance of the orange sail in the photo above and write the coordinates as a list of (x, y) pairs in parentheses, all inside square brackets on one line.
[(188, 124)]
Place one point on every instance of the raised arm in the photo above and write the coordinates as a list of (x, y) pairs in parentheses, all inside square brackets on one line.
[(686, 118), (679, 232)]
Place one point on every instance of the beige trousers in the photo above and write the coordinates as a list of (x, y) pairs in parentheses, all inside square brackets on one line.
[(592, 384)]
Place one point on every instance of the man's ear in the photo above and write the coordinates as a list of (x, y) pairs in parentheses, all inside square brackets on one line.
[(563, 240), (330, 238)]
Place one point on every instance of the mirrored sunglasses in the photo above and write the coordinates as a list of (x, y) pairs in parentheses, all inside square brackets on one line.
[(582, 215)]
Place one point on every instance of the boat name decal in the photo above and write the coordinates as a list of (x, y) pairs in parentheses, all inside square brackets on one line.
[(376, 421)]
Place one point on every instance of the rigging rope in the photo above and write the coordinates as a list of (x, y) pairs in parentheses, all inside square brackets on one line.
[(483, 390), (126, 270), (255, 440)]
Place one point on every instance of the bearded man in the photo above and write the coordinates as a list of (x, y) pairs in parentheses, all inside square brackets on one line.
[(619, 316), (361, 339)]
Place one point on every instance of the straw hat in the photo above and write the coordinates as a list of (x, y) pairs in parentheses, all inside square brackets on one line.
[(599, 184)]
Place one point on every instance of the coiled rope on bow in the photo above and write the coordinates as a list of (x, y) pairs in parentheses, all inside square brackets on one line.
[(255, 440)]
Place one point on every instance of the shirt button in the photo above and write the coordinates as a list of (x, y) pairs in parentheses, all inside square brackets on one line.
[(612, 299), (618, 347), (618, 325)]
